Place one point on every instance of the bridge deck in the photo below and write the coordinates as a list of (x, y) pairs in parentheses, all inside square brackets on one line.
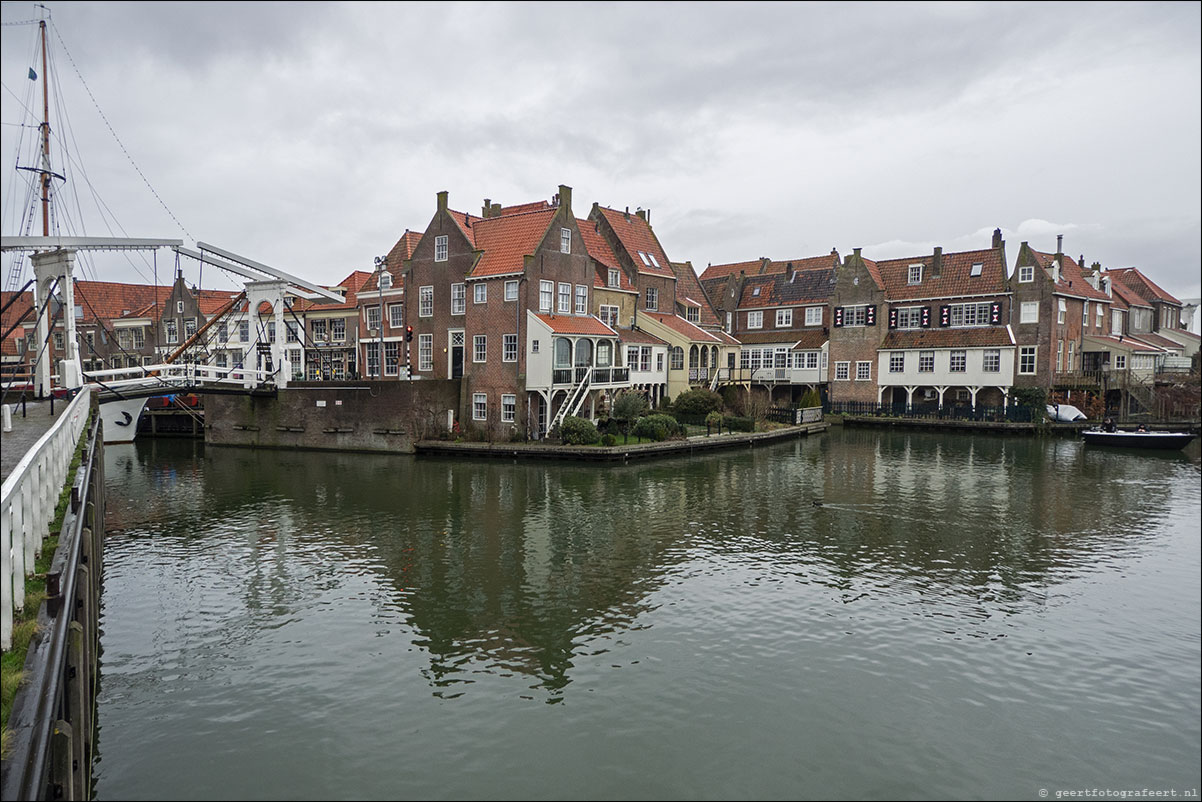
[(26, 431)]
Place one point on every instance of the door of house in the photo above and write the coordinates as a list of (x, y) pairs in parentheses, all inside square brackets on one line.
[(456, 356)]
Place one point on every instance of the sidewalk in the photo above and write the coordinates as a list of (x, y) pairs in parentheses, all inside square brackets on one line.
[(26, 431)]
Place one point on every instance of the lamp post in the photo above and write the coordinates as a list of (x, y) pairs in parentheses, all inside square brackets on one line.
[(381, 265)]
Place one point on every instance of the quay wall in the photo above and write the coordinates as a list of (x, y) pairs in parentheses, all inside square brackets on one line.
[(381, 416)]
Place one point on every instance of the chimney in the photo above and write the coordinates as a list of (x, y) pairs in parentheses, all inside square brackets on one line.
[(792, 272), (626, 214), (1059, 245), (442, 201), (997, 238), (641, 214), (565, 197), (937, 262), (487, 210)]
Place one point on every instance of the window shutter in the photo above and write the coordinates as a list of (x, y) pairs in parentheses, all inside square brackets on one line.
[(945, 316), (870, 316), (892, 318), (838, 316), (926, 317), (995, 313)]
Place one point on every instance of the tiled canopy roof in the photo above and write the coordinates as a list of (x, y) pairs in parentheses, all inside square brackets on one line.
[(984, 337), (687, 329), (1123, 296), (637, 335), (576, 324)]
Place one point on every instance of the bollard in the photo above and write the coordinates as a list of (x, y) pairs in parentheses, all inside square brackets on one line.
[(8, 417)]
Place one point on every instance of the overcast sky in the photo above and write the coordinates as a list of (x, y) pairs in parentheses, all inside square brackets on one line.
[(309, 136)]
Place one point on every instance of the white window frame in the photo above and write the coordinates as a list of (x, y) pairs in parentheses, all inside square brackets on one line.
[(909, 317), (1120, 361), (926, 361), (609, 314), (511, 290), (842, 371), (546, 296), (1061, 310), (170, 328), (692, 314), (855, 316), (564, 299), (1028, 354), (1026, 273), (784, 318), (615, 277), (396, 315), (480, 348), (565, 240), (480, 292), (509, 348), (864, 371), (371, 359), (392, 358), (897, 362), (371, 315), (425, 303), (652, 299), (1029, 312), (509, 407), (479, 406), (813, 315), (440, 248), (755, 320), (914, 276), (958, 357), (458, 298), (425, 352), (581, 299), (991, 360)]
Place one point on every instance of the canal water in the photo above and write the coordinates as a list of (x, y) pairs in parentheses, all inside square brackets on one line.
[(858, 615)]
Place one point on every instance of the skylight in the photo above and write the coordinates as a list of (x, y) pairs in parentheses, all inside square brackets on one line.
[(977, 267), (643, 256), (652, 256)]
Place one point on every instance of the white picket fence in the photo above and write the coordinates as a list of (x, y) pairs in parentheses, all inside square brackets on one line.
[(27, 503)]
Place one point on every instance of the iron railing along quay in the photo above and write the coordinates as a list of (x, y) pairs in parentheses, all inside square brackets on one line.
[(52, 724)]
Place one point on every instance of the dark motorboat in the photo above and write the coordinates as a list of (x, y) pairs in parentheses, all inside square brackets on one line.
[(1172, 441)]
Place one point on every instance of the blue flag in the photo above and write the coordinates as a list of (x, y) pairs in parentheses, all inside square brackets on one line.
[(33, 76)]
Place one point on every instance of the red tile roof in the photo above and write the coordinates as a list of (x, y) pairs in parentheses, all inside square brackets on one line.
[(784, 336), (1143, 286), (1072, 279), (732, 269), (572, 324), (810, 341), (687, 329), (403, 250), (1152, 338), (955, 277), (637, 335), (637, 238), (506, 241), (108, 300), (1125, 342), (1123, 296), (984, 337), (766, 266), (691, 293), (466, 223), (595, 244), (352, 284), (522, 208), (813, 286)]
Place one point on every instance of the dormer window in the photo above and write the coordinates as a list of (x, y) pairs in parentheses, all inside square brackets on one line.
[(385, 281), (646, 261), (565, 240), (615, 278), (915, 276), (977, 267)]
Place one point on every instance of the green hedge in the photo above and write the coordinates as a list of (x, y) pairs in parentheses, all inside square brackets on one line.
[(739, 424), (578, 431), (657, 427)]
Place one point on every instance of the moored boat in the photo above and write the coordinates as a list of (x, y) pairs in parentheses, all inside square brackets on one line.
[(1160, 440)]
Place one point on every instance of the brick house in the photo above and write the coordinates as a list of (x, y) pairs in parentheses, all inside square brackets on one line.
[(856, 330), (947, 341), (381, 302)]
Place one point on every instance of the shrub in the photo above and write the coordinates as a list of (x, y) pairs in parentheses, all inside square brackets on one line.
[(578, 431), (739, 424), (657, 427), (713, 420), (699, 401), (810, 399), (629, 406), (608, 440)]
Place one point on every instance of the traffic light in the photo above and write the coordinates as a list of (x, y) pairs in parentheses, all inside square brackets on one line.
[(408, 334)]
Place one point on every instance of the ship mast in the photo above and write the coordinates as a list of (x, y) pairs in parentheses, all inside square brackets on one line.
[(45, 137)]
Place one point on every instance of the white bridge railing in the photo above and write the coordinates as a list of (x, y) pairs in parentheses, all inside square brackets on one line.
[(27, 504), (175, 374)]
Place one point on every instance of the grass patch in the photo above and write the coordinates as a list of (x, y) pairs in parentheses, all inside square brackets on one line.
[(25, 622)]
